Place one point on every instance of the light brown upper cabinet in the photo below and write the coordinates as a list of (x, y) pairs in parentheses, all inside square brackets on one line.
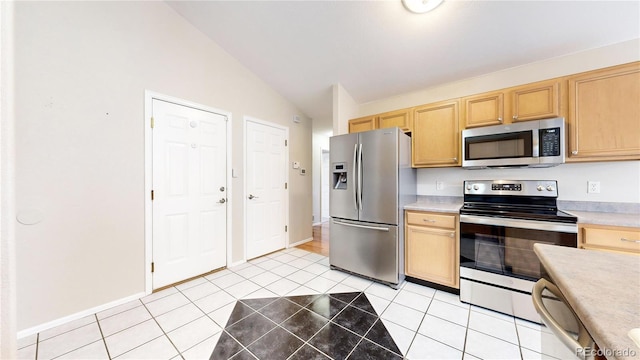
[(400, 118), (363, 124), (604, 114), (541, 100), (484, 109), (435, 141)]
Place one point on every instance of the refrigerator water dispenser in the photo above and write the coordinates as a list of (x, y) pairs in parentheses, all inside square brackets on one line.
[(339, 176)]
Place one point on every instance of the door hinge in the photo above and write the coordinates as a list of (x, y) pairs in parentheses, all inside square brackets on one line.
[(152, 195), (152, 122), (285, 186), (285, 228), (285, 143), (153, 267)]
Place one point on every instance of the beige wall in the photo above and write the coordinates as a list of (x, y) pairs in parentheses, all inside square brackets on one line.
[(615, 54), (81, 72), (620, 181)]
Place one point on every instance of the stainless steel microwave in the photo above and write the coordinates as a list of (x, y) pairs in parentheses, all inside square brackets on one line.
[(537, 143)]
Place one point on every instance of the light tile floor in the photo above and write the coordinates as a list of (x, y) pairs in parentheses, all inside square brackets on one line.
[(185, 321)]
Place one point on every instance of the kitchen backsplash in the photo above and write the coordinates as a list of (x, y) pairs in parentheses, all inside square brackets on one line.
[(619, 181), (606, 207)]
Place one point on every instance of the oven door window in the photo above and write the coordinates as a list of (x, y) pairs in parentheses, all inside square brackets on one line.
[(507, 250), (501, 146)]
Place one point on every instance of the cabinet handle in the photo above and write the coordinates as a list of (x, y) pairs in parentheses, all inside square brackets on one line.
[(454, 159), (420, 229), (631, 241), (574, 152), (515, 117), (500, 120), (428, 220)]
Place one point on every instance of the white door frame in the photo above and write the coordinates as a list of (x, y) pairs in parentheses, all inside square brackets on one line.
[(244, 170), (327, 177), (149, 96)]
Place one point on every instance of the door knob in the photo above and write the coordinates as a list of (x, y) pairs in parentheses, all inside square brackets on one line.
[(222, 201), (251, 197)]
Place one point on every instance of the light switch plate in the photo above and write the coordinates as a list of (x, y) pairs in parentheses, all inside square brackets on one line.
[(296, 164)]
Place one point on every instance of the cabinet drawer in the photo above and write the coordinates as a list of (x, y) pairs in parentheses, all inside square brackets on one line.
[(611, 239), (428, 219)]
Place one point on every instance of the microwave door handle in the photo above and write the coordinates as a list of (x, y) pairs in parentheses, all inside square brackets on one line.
[(360, 178), (355, 183), (535, 143)]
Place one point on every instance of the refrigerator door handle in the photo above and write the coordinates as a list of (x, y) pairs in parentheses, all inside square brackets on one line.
[(360, 178), (379, 228), (355, 184)]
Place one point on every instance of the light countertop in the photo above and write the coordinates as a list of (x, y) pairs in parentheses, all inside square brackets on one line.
[(604, 291), (585, 213), (602, 218), (444, 204)]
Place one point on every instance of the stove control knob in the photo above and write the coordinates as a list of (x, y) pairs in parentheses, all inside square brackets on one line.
[(476, 187), (540, 188), (468, 186), (549, 188)]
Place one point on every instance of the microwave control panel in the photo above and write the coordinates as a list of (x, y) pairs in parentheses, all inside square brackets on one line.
[(550, 142)]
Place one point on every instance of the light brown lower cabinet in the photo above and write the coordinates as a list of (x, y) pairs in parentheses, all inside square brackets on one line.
[(432, 247), (610, 238)]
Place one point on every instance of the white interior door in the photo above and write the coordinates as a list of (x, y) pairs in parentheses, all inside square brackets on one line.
[(266, 169), (189, 188), (324, 187)]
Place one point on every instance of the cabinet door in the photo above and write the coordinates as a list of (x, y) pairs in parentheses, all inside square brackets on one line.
[(536, 101), (604, 114), (431, 255), (484, 109), (435, 138), (362, 124), (400, 118)]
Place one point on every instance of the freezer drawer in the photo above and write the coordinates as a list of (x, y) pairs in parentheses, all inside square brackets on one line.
[(368, 249)]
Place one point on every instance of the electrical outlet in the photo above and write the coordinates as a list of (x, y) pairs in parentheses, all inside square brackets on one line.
[(439, 185), (593, 187)]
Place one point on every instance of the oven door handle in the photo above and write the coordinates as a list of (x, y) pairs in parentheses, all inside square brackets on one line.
[(584, 344), (519, 223)]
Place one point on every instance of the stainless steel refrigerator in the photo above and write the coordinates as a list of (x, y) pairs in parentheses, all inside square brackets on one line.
[(371, 181)]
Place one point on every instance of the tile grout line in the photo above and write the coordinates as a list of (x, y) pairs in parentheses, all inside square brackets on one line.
[(37, 345), (104, 341), (415, 334), (466, 336), (161, 329)]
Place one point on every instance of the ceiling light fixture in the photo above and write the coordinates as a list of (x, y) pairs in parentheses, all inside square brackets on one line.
[(421, 6)]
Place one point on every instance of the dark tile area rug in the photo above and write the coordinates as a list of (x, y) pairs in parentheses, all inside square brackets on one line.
[(327, 326)]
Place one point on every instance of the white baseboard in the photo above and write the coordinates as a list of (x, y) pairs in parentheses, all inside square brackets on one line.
[(316, 224), (300, 242), (76, 316)]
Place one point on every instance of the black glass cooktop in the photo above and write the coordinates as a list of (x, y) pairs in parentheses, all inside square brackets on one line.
[(519, 211)]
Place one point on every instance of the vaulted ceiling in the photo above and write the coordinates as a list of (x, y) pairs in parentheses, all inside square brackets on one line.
[(377, 49)]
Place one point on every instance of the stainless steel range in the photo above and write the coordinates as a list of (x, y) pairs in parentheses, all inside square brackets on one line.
[(499, 223)]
